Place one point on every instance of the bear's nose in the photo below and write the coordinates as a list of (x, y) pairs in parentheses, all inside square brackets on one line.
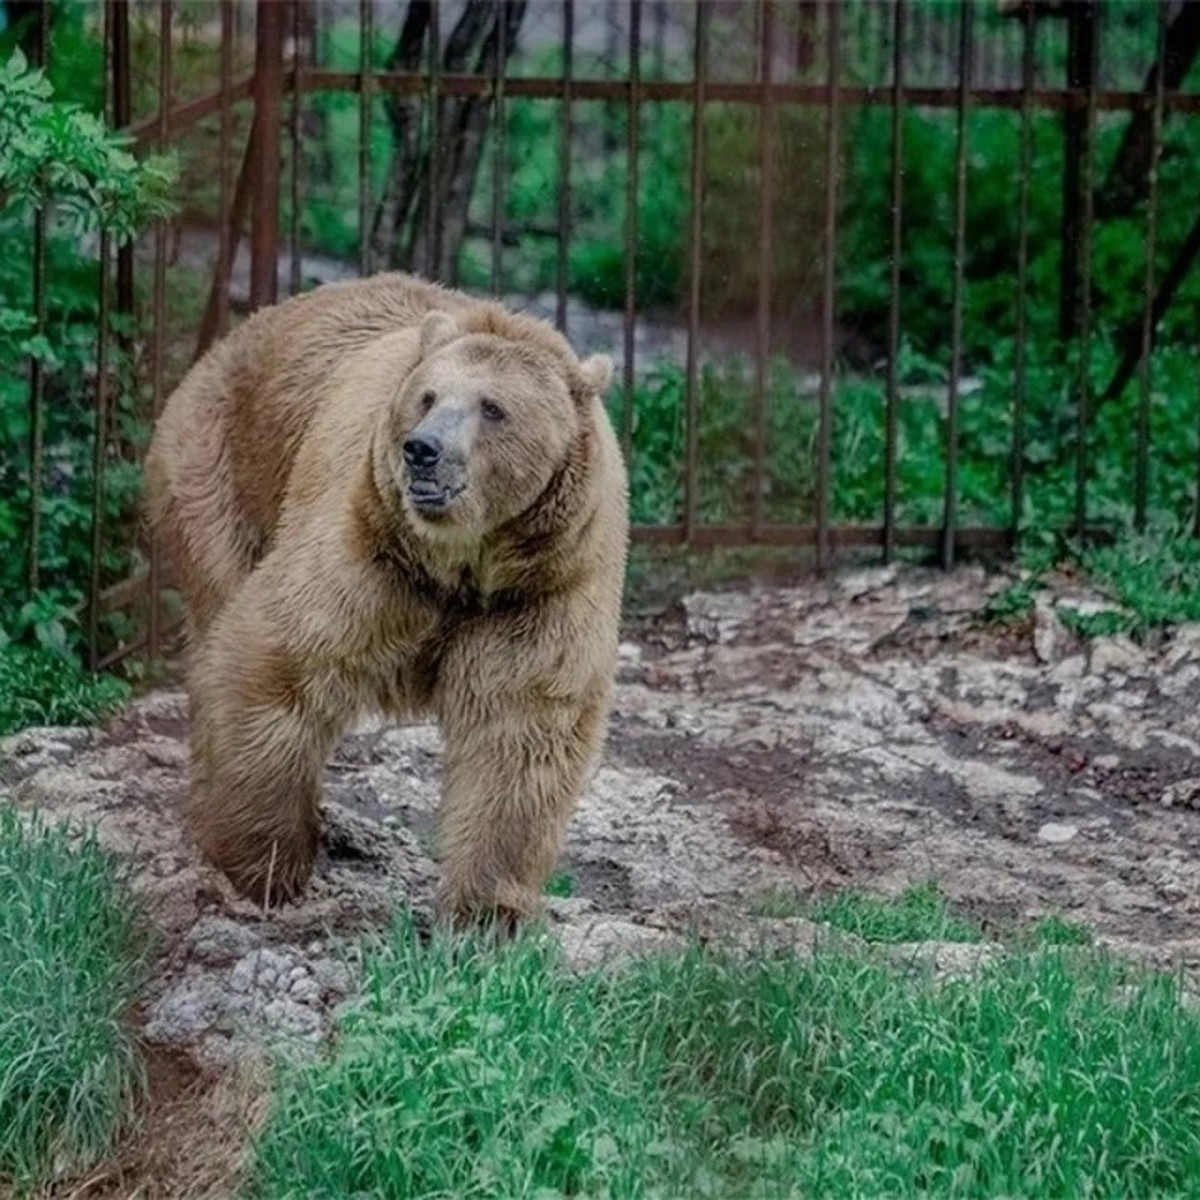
[(422, 450)]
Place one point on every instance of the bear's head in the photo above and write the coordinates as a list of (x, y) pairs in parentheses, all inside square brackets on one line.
[(494, 409)]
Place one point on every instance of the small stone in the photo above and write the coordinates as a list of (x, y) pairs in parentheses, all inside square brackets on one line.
[(1056, 833), (331, 976), (259, 969), (218, 941), (1048, 632), (1183, 794), (305, 990), (605, 940), (656, 676)]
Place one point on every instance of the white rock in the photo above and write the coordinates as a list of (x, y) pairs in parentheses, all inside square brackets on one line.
[(1056, 833)]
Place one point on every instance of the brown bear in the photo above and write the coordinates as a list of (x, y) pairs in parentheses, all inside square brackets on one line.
[(386, 495)]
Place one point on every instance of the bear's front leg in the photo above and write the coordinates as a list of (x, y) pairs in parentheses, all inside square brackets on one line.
[(518, 746), (259, 741)]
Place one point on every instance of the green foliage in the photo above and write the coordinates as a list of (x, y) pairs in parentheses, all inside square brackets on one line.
[(1012, 604), (992, 225), (59, 158), (47, 687), (1156, 576), (50, 148), (987, 427), (478, 1071), (72, 952)]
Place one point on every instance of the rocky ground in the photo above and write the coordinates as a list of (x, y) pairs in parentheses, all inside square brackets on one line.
[(867, 731)]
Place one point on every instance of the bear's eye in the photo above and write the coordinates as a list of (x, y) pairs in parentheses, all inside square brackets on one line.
[(491, 411), (427, 401)]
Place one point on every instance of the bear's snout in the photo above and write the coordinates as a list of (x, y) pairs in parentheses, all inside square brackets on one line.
[(422, 451)]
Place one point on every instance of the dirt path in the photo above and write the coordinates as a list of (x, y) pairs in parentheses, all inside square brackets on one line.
[(865, 732)]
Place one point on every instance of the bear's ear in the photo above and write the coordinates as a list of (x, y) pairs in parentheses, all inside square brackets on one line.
[(596, 373), (437, 328)]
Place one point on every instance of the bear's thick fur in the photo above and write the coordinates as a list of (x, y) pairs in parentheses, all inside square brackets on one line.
[(387, 495)]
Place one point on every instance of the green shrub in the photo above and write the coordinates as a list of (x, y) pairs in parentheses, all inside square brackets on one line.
[(59, 158)]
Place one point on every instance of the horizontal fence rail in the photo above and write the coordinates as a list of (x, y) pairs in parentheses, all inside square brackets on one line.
[(684, 185)]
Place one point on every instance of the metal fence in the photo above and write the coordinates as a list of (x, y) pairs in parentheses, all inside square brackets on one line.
[(236, 88)]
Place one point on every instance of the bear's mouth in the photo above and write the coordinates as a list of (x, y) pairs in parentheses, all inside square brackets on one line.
[(427, 495)]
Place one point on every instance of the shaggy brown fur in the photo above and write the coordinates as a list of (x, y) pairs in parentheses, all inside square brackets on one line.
[(321, 580)]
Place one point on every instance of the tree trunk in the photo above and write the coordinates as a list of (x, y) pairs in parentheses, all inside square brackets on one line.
[(1128, 181), (420, 222)]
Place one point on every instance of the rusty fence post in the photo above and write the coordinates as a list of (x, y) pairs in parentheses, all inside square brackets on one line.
[(268, 106)]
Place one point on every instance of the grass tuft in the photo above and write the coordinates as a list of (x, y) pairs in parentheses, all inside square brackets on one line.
[(70, 967), (921, 913), (471, 1071), (40, 687)]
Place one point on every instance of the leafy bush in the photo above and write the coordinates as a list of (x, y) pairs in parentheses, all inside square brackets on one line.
[(59, 158), (726, 391)]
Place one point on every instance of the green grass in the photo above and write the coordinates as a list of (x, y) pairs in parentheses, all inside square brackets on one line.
[(560, 884), (41, 687), (471, 1071), (1156, 575), (920, 913), (70, 966)]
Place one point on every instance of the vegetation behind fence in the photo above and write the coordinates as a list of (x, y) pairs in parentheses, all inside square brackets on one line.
[(893, 274)]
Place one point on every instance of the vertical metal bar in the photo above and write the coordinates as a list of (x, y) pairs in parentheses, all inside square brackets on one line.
[(98, 453), (950, 507), (564, 167), (828, 286), (122, 114), (500, 144), (295, 156), (101, 402), (1081, 17), (1196, 512), (766, 249), (893, 368), (433, 208), (1085, 279), (268, 88), (165, 89), (366, 94), (37, 394), (226, 140), (1025, 174), (37, 371), (691, 490), (631, 218), (1145, 372)]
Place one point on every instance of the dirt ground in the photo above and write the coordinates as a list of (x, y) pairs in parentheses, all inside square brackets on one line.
[(865, 731)]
